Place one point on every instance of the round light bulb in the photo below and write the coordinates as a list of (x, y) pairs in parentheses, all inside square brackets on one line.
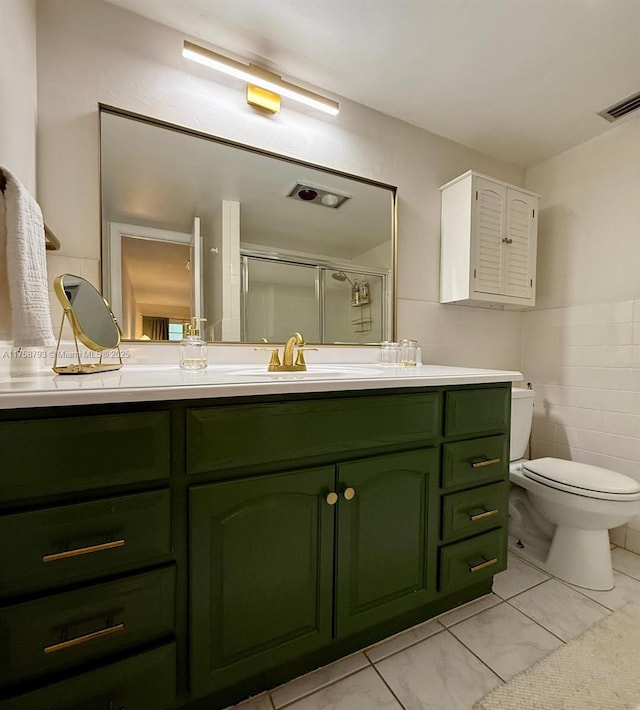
[(330, 200)]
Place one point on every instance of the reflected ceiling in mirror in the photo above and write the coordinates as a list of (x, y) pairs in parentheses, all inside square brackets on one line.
[(188, 219)]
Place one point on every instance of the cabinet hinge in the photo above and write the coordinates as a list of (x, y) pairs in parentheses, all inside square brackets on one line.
[(474, 273), (533, 213), (531, 283), (476, 194)]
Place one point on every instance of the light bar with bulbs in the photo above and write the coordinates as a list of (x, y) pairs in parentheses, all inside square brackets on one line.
[(257, 76)]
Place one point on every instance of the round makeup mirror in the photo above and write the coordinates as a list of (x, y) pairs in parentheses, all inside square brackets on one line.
[(92, 323)]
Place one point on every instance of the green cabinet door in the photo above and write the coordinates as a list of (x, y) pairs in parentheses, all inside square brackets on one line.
[(387, 528), (261, 574)]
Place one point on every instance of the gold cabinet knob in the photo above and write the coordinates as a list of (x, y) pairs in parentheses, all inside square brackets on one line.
[(332, 498), (349, 493)]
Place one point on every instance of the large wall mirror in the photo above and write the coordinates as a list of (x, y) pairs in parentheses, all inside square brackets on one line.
[(257, 244)]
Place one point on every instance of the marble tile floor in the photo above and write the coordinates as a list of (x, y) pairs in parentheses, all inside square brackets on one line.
[(450, 662)]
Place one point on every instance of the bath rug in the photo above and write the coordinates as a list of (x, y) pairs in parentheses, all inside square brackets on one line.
[(595, 671)]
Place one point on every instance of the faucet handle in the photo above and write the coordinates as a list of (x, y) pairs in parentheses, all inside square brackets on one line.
[(300, 355), (275, 358)]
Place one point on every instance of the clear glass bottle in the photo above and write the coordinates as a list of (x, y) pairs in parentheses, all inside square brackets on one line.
[(193, 350), (389, 353), (364, 292), (408, 349)]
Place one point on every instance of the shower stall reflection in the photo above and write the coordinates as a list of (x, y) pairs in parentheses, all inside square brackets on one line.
[(326, 303)]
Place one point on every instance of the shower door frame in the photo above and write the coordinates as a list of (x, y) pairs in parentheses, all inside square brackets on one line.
[(319, 266)]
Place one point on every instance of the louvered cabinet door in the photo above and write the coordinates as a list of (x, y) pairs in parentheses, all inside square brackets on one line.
[(488, 227), (488, 242), (520, 248)]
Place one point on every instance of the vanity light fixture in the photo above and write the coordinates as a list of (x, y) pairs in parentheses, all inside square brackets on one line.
[(264, 87)]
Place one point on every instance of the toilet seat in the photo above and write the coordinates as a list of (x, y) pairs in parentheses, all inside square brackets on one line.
[(582, 479)]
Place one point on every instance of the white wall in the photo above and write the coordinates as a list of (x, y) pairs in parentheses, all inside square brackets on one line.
[(221, 273), (18, 89), (581, 346), (90, 52)]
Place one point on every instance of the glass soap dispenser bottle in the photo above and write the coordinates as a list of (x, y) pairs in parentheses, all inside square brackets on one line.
[(193, 349)]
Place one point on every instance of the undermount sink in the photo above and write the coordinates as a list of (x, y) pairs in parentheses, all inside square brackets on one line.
[(312, 372)]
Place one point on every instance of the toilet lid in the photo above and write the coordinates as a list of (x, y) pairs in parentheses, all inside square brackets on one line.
[(581, 476)]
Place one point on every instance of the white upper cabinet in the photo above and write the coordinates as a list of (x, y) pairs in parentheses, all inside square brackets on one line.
[(488, 242)]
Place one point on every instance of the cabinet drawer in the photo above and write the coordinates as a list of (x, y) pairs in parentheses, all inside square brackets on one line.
[(144, 682), (475, 411), (470, 463), (473, 560), (48, 456), (249, 435), (63, 630), (77, 542), (474, 511)]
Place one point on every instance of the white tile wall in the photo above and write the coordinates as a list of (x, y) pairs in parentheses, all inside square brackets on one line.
[(462, 336), (584, 366)]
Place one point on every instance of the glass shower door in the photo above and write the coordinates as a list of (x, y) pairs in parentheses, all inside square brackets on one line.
[(279, 298)]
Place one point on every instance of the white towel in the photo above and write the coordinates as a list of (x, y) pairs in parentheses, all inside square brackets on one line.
[(25, 317)]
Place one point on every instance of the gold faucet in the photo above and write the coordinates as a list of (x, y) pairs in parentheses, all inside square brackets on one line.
[(287, 354), (295, 340)]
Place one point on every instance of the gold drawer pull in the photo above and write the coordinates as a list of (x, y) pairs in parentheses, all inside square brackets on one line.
[(332, 498), (486, 462), (484, 514), (83, 551), (483, 564), (349, 493), (83, 639)]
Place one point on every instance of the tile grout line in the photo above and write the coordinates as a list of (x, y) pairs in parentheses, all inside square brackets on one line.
[(389, 688), (371, 663), (411, 645), (321, 687), (537, 623), (474, 654), (533, 586), (586, 596)]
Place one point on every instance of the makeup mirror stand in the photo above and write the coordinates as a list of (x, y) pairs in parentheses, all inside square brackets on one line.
[(82, 368), (92, 322)]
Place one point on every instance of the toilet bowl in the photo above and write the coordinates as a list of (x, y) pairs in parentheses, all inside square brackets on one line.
[(561, 511)]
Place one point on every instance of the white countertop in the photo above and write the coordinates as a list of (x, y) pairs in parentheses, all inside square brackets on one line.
[(149, 383)]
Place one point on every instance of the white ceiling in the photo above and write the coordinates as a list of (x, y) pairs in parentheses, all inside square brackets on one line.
[(521, 80), (163, 178)]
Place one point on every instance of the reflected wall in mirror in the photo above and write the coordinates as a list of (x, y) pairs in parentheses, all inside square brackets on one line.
[(92, 323), (259, 245)]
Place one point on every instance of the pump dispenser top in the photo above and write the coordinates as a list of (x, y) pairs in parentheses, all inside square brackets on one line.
[(193, 350)]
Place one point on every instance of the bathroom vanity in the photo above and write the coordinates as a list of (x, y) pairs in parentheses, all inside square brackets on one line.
[(173, 543)]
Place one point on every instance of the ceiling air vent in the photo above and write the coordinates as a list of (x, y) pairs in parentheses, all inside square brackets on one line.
[(622, 108)]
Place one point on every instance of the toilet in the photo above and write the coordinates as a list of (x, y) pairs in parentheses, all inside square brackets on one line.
[(560, 511)]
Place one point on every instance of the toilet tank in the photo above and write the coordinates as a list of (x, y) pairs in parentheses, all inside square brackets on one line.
[(521, 416)]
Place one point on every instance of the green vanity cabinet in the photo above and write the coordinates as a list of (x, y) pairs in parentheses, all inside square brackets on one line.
[(146, 681), (263, 566), (87, 566), (42, 457), (261, 573), (475, 487), (387, 533), (475, 410), (184, 555), (245, 436), (69, 543)]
